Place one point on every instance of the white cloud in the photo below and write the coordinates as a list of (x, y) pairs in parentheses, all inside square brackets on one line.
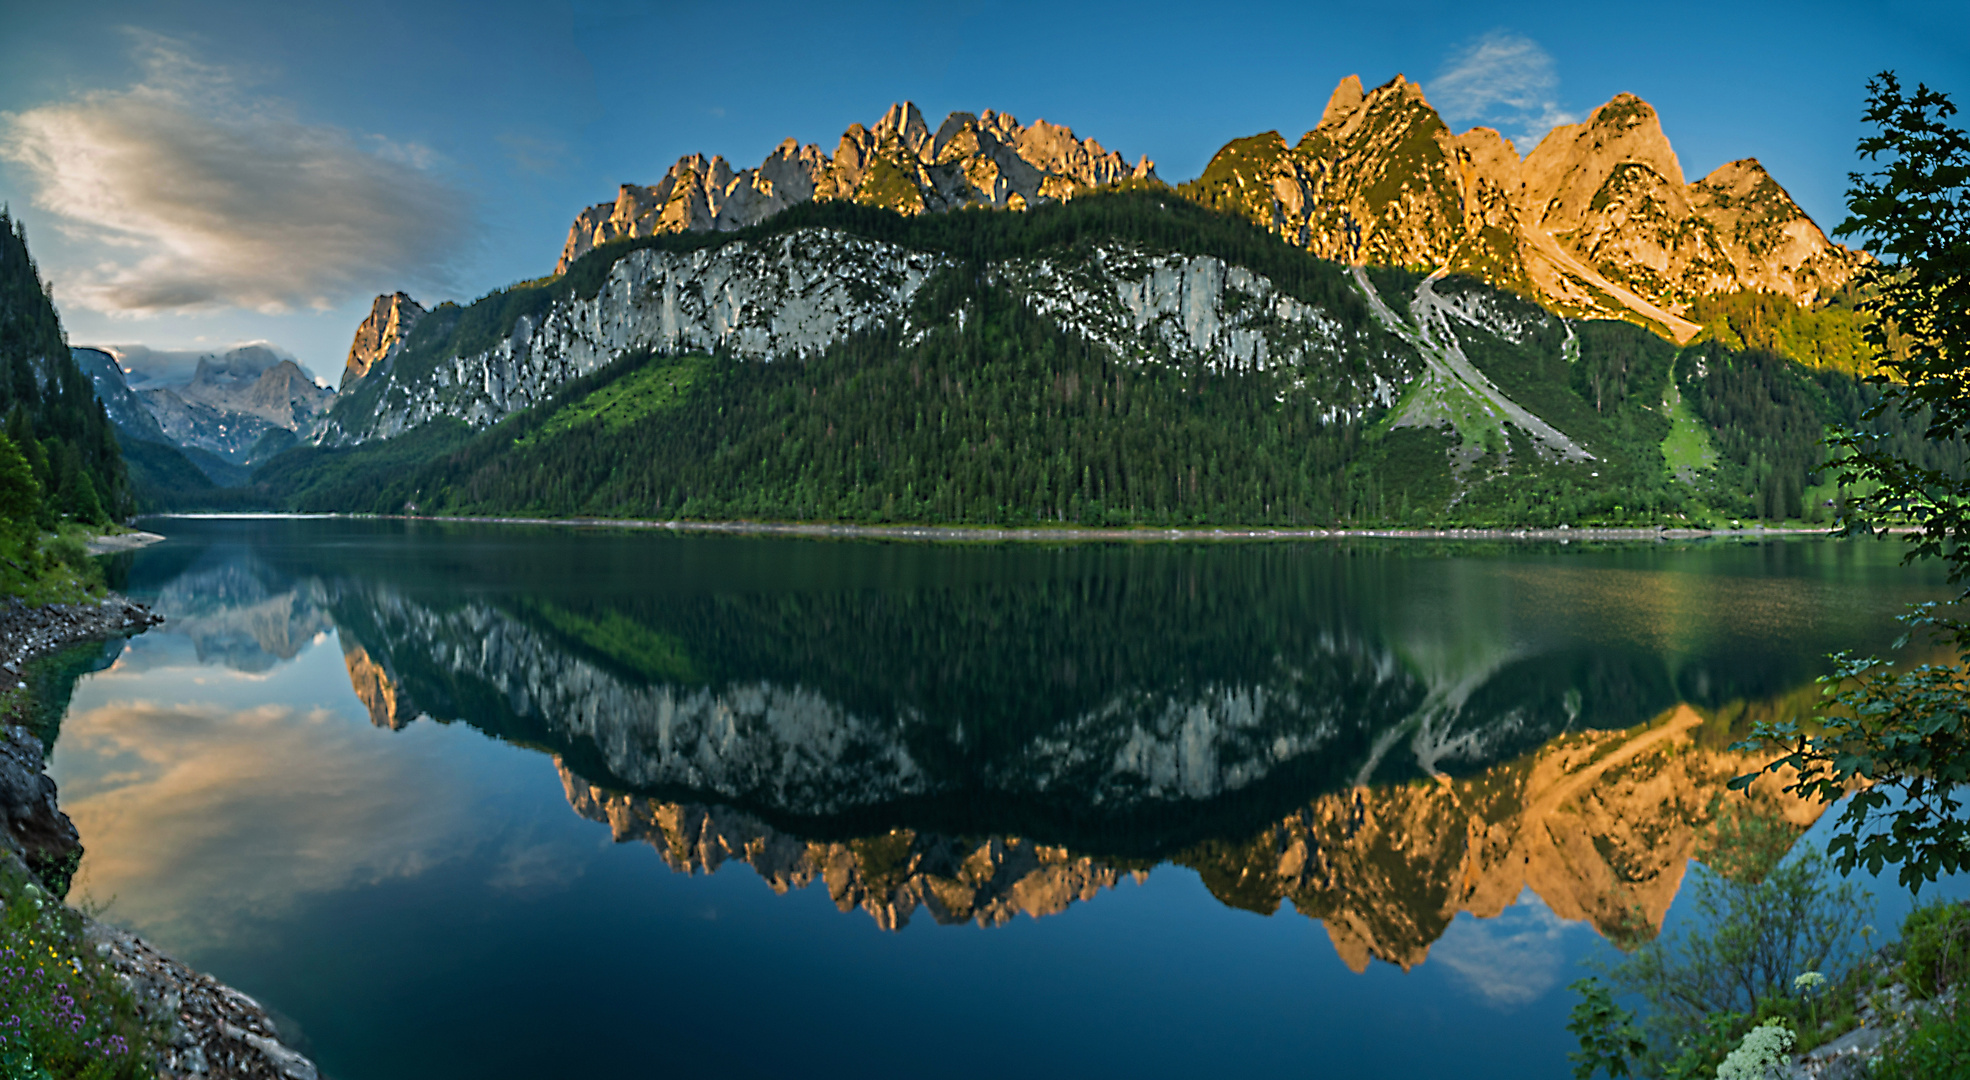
[(1505, 80), (1511, 959), (203, 196)]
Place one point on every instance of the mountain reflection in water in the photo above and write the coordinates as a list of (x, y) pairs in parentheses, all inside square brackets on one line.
[(1383, 736)]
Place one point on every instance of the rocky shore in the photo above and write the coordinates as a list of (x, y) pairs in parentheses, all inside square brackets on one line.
[(211, 1031)]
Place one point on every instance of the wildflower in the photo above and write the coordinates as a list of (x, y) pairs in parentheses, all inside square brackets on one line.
[(1763, 1050), (1811, 980)]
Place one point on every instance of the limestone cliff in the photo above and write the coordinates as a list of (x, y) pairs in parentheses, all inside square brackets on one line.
[(1597, 221), (988, 159), (1200, 312), (786, 297), (795, 294), (391, 319)]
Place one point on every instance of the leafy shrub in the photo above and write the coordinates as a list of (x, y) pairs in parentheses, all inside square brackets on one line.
[(1936, 948), (1608, 1035), (1937, 1048), (67, 549), (1741, 963)]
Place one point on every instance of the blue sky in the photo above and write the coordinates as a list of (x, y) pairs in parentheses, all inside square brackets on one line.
[(194, 175)]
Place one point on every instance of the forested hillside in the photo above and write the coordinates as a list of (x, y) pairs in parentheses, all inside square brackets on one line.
[(52, 418), (974, 407)]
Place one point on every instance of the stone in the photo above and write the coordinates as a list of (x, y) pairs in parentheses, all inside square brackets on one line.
[(1597, 221), (391, 319), (986, 159)]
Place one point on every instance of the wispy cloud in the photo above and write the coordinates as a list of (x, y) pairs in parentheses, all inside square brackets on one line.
[(541, 157), (204, 196), (1505, 80), (1512, 959)]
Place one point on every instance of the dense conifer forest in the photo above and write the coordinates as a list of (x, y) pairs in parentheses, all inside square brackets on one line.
[(51, 417)]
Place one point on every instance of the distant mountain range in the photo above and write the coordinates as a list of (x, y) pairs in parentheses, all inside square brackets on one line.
[(239, 408)]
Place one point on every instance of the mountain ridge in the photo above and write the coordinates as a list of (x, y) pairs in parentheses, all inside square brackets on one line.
[(1597, 220), (987, 159), (1337, 396)]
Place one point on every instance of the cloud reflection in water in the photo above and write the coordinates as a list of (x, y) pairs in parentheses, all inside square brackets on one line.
[(220, 811)]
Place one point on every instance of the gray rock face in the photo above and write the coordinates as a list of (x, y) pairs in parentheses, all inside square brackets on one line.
[(793, 296), (1200, 311), (190, 423), (985, 160), (35, 828), (788, 297), (126, 410), (279, 393), (232, 401)]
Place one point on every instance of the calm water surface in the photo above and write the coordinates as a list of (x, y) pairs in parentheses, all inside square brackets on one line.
[(508, 802)]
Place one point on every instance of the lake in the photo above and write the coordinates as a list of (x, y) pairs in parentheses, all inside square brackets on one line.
[(508, 801)]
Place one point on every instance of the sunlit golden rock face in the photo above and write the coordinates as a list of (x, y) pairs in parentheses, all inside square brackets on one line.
[(889, 876), (1597, 220), (1601, 825), (391, 319), (989, 159), (376, 689)]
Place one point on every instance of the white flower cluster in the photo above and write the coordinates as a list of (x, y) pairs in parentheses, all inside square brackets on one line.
[(1760, 1056)]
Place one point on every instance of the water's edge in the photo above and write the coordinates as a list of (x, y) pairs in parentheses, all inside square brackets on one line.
[(213, 1030), (964, 533)]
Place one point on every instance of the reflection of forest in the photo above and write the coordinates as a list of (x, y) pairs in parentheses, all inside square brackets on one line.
[(1382, 741)]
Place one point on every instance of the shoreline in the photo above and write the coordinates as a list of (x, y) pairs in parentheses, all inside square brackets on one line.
[(111, 543), (1027, 534), (209, 1031)]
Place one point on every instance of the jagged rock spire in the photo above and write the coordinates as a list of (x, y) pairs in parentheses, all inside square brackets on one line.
[(986, 159)]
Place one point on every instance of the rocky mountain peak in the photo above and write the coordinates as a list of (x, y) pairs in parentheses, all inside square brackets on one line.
[(1760, 227), (1597, 221), (1345, 99), (391, 319), (1567, 171), (241, 381), (905, 124), (234, 367), (982, 159)]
